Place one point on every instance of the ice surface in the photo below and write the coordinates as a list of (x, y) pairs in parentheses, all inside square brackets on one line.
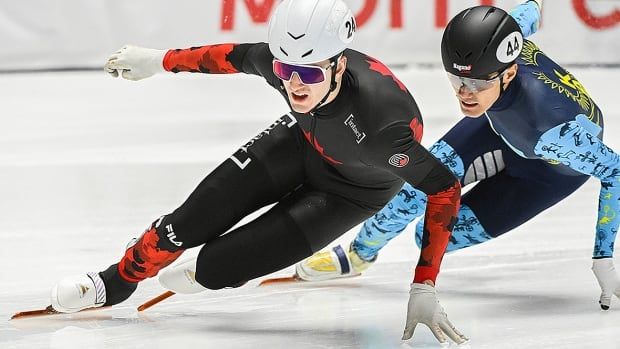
[(87, 161)]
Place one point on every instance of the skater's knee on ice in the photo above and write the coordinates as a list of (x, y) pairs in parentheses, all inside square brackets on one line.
[(214, 279), (267, 244), (217, 270)]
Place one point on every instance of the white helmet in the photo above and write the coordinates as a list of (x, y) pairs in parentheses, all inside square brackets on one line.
[(310, 31)]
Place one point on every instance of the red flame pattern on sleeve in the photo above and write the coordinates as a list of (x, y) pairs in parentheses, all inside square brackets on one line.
[(210, 59), (439, 220)]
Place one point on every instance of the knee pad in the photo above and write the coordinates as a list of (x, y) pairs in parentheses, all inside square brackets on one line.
[(268, 244)]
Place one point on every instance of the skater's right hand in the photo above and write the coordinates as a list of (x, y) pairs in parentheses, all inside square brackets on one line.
[(424, 308), (135, 63), (608, 279)]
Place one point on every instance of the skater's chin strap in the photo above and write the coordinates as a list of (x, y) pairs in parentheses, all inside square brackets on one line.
[(333, 63)]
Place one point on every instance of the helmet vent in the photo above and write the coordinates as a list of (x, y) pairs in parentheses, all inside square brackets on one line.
[(489, 12), (462, 56), (296, 37), (466, 12), (309, 31), (497, 31)]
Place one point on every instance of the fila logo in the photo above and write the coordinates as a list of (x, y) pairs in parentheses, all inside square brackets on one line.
[(359, 136), (399, 160), (461, 67), (171, 235)]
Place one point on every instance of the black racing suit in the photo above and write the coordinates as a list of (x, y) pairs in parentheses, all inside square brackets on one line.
[(327, 171)]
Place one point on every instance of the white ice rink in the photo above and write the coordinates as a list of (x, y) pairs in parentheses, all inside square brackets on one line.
[(86, 162)]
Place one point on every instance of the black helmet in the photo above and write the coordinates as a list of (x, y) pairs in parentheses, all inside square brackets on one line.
[(480, 41)]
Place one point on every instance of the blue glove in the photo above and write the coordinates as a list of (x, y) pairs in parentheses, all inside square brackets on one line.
[(527, 16)]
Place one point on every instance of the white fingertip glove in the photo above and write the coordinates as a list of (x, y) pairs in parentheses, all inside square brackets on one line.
[(424, 308), (135, 63), (608, 279)]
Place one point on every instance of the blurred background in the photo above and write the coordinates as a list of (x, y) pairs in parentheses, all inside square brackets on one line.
[(73, 34)]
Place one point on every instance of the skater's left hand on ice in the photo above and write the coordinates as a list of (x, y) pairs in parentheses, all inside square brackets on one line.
[(424, 308), (608, 279)]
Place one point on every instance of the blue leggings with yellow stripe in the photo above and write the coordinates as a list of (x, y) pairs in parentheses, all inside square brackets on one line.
[(509, 191)]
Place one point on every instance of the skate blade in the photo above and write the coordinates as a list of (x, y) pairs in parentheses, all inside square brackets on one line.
[(281, 280), (155, 300), (44, 312), (296, 278)]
